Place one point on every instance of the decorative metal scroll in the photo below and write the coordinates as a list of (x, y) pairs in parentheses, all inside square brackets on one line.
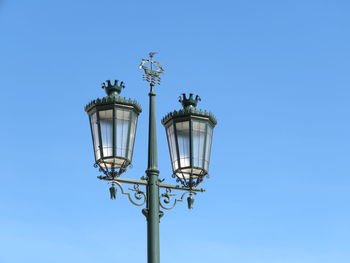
[(111, 173), (168, 200), (137, 198)]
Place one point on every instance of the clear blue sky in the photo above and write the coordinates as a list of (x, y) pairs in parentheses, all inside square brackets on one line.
[(276, 75)]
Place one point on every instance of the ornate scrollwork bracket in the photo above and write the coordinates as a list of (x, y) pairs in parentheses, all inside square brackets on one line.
[(136, 196), (167, 199)]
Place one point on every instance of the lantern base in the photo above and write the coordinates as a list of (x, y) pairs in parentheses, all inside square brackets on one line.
[(112, 167), (190, 177)]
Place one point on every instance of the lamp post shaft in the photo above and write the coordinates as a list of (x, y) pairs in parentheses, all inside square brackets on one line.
[(153, 254)]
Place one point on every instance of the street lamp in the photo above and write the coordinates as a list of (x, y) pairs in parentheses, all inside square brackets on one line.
[(189, 132), (113, 121)]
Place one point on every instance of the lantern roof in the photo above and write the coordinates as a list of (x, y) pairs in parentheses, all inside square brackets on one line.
[(189, 109), (113, 91)]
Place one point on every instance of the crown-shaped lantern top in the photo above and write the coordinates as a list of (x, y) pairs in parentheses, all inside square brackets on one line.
[(190, 101), (113, 90), (189, 104)]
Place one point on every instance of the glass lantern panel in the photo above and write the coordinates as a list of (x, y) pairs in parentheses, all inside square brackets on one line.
[(122, 123), (133, 124), (209, 136), (183, 140), (198, 141), (186, 173), (106, 126), (172, 146), (183, 175), (94, 128), (112, 163)]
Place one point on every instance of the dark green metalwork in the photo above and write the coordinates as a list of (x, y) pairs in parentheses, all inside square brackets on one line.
[(113, 191), (114, 134), (190, 201), (187, 172), (92, 137), (113, 98), (144, 182), (108, 161), (152, 187), (152, 73), (152, 197), (99, 135), (152, 210), (189, 111), (190, 101), (138, 198)]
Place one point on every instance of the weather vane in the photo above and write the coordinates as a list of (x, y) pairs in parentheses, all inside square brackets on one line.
[(153, 71)]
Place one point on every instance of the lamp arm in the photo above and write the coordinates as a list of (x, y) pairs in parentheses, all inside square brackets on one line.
[(144, 182), (138, 198), (167, 200)]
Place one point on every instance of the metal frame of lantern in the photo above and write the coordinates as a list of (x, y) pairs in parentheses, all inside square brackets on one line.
[(113, 123), (190, 163), (152, 197)]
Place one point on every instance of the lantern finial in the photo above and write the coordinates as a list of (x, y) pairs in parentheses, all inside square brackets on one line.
[(190, 101), (113, 90)]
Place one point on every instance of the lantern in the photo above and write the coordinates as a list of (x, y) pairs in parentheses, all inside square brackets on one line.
[(113, 121), (189, 133)]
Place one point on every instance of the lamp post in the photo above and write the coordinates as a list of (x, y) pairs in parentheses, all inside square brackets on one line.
[(113, 122)]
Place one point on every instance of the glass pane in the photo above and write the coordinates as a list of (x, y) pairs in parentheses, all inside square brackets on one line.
[(172, 146), (94, 127), (183, 140), (183, 175), (112, 163), (208, 146), (106, 125), (198, 140), (132, 134), (122, 130), (187, 172)]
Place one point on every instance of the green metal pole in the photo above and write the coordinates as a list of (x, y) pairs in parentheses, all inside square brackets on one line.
[(153, 255)]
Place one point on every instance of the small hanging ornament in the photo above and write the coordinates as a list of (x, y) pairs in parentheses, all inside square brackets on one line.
[(190, 201), (113, 192)]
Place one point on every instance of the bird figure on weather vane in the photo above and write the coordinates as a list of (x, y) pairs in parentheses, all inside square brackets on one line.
[(153, 71)]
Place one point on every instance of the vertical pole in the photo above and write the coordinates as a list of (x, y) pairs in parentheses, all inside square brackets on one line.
[(153, 255)]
